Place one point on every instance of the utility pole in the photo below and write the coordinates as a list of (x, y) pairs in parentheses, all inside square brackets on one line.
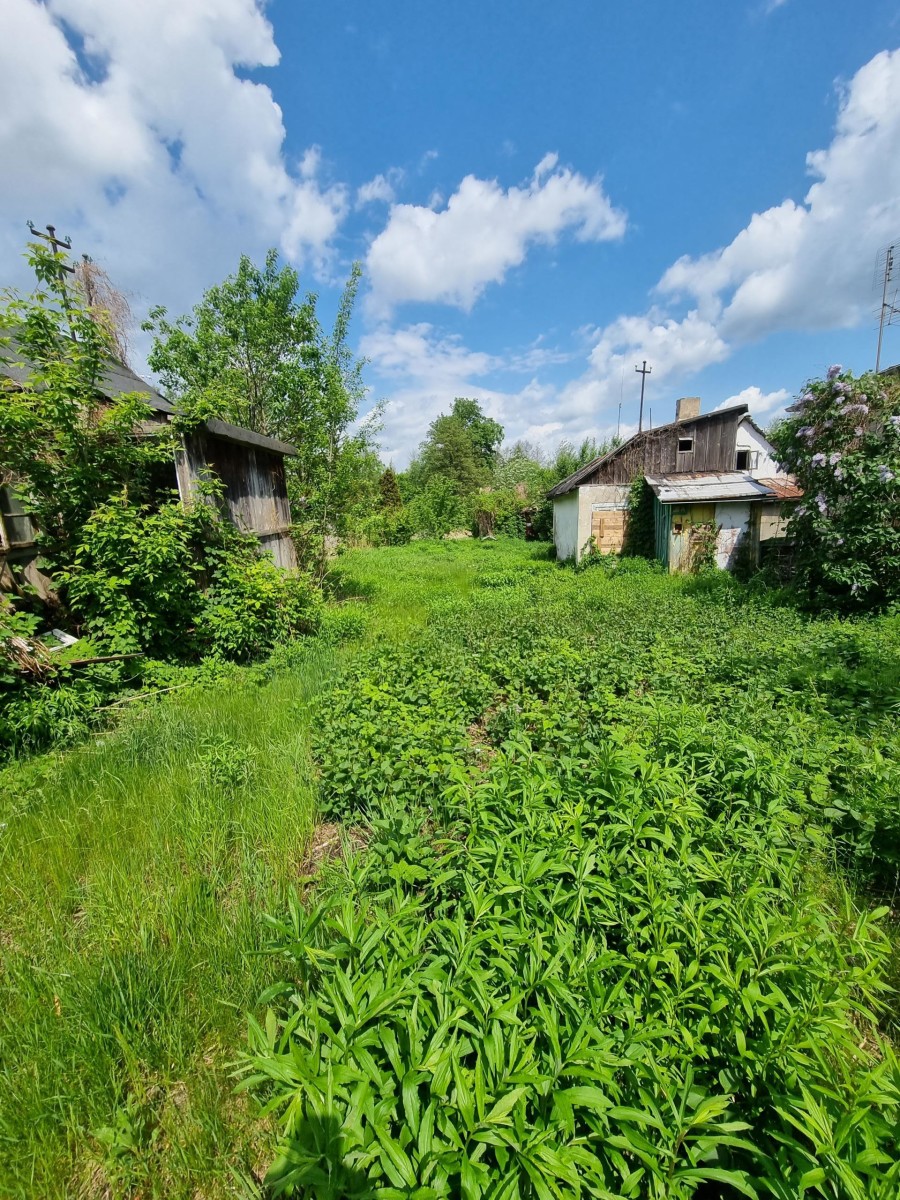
[(887, 310), (57, 244), (643, 371), (619, 420)]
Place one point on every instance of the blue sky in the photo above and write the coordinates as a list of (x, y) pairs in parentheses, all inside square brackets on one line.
[(541, 195)]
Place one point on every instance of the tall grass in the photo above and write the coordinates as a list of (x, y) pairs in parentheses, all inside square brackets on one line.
[(133, 872)]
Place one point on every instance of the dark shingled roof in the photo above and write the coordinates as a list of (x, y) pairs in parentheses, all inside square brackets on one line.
[(120, 380)]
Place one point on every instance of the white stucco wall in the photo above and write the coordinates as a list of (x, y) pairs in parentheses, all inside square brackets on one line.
[(733, 520), (762, 456), (565, 525)]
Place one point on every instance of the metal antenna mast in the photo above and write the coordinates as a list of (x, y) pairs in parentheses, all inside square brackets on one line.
[(643, 371), (888, 309)]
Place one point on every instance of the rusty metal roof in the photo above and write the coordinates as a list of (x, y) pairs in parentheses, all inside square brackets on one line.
[(695, 487), (784, 487)]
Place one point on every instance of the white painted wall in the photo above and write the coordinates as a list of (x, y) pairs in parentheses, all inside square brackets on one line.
[(733, 520), (565, 525), (762, 454)]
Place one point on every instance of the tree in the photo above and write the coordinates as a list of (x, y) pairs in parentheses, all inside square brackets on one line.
[(249, 353), (486, 434), (253, 353), (461, 447), (389, 489), (107, 305), (842, 442)]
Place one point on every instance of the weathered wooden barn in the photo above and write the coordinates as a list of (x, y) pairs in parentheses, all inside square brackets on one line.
[(250, 466), (714, 471)]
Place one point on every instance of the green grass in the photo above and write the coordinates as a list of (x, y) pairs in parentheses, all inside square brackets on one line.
[(135, 870)]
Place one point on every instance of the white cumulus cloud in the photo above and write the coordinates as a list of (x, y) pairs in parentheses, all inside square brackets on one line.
[(450, 255), (808, 265), (130, 127), (762, 404)]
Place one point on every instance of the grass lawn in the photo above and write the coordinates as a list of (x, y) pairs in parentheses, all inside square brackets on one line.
[(136, 870)]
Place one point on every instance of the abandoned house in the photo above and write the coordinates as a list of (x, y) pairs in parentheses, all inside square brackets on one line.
[(250, 466), (713, 473)]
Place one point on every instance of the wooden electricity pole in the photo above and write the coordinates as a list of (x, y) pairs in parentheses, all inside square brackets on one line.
[(57, 244)]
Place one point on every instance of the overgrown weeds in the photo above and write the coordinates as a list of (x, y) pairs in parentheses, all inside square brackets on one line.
[(618, 958)]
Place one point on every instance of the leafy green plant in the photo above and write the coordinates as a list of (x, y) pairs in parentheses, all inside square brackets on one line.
[(592, 945), (842, 441)]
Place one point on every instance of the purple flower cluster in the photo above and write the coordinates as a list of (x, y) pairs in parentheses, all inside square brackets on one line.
[(885, 474), (834, 371), (818, 460), (857, 408)]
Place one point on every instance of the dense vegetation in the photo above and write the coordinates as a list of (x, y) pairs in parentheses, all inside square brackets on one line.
[(602, 921), (134, 570), (842, 442), (599, 941)]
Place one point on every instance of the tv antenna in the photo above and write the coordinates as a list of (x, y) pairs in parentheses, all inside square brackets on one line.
[(889, 311)]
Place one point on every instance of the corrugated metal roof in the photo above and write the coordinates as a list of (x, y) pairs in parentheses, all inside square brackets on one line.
[(693, 487)]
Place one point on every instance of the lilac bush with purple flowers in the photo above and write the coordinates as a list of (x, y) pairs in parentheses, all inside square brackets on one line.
[(842, 442)]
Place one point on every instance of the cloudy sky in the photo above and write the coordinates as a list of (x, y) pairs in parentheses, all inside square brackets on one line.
[(542, 195)]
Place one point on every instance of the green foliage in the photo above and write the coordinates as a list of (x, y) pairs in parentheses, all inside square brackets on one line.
[(593, 946), (250, 605), (437, 508), (67, 450), (460, 448), (135, 576), (640, 529), (389, 490), (255, 354), (843, 444)]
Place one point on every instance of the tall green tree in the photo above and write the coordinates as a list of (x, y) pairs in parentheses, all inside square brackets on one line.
[(253, 352), (461, 447), (389, 489)]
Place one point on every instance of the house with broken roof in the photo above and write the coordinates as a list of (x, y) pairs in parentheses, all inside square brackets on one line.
[(249, 465), (712, 476)]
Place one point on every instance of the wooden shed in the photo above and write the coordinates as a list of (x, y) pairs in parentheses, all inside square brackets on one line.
[(250, 465)]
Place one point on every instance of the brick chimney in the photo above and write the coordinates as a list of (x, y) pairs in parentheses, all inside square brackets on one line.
[(687, 408)]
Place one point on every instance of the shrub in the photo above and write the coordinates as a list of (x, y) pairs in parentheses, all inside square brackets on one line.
[(251, 604), (843, 444)]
